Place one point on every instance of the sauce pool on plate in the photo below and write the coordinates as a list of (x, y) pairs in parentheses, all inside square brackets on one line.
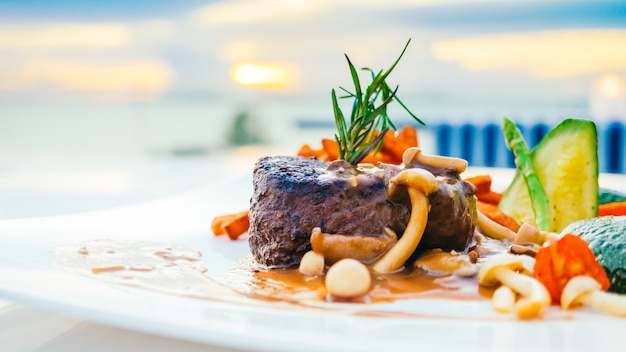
[(176, 270)]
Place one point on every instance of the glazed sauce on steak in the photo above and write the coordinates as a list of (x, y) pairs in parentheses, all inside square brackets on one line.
[(406, 284), (432, 277)]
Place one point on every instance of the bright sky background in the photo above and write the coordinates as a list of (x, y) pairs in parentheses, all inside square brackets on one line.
[(462, 52)]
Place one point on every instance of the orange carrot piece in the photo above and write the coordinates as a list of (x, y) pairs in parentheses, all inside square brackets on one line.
[(489, 197), (232, 225), (614, 208), (564, 259), (238, 226), (331, 148), (393, 147), (483, 189), (375, 158), (391, 151), (306, 151), (408, 136), (217, 226), (492, 212), (481, 182)]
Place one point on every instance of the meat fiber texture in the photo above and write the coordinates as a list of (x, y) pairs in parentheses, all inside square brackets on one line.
[(290, 199)]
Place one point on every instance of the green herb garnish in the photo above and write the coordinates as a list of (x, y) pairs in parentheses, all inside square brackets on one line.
[(360, 137)]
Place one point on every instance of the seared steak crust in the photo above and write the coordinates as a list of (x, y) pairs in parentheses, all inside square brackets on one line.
[(292, 195), (290, 199), (452, 216)]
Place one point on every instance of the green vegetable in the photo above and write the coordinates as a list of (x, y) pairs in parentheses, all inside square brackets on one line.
[(358, 138), (524, 162), (566, 162), (610, 196), (606, 237)]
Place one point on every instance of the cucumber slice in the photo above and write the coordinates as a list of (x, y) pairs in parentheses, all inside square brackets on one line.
[(566, 161)]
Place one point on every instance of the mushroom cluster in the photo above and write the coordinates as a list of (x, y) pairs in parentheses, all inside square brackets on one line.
[(514, 274), (348, 277), (348, 261), (584, 290)]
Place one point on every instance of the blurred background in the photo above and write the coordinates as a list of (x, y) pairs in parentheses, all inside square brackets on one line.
[(109, 100)]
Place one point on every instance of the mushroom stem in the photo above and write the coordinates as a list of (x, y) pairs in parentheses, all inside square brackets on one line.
[(607, 302), (493, 229), (398, 254), (586, 290), (419, 183), (414, 154), (514, 271), (503, 300), (536, 298), (366, 249)]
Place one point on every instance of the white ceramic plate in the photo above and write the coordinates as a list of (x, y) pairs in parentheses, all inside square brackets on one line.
[(28, 276)]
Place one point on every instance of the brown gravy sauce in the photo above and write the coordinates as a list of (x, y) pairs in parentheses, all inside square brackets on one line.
[(406, 284), (174, 269), (161, 267), (409, 283)]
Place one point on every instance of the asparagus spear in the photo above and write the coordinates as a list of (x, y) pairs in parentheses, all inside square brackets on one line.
[(538, 199)]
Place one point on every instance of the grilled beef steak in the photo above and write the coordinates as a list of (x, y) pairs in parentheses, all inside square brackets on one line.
[(292, 195)]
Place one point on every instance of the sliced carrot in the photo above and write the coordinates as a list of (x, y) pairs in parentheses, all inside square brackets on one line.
[(564, 259), (395, 144), (484, 192), (490, 197), (481, 182), (391, 151), (238, 226), (375, 158), (393, 147), (331, 148), (408, 136), (492, 212), (307, 151), (232, 225), (217, 226), (614, 208)]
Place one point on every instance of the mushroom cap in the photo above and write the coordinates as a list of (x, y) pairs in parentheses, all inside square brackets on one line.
[(411, 154), (517, 263), (419, 179), (413, 157), (575, 288)]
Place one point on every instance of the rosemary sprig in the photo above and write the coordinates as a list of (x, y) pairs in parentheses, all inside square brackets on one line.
[(368, 122)]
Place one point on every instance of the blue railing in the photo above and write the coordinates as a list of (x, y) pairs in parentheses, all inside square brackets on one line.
[(483, 145)]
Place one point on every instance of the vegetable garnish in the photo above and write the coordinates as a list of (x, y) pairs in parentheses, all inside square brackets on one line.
[(565, 259), (566, 162), (394, 145), (613, 208), (523, 160), (484, 193), (606, 236), (492, 212), (233, 225), (368, 123)]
